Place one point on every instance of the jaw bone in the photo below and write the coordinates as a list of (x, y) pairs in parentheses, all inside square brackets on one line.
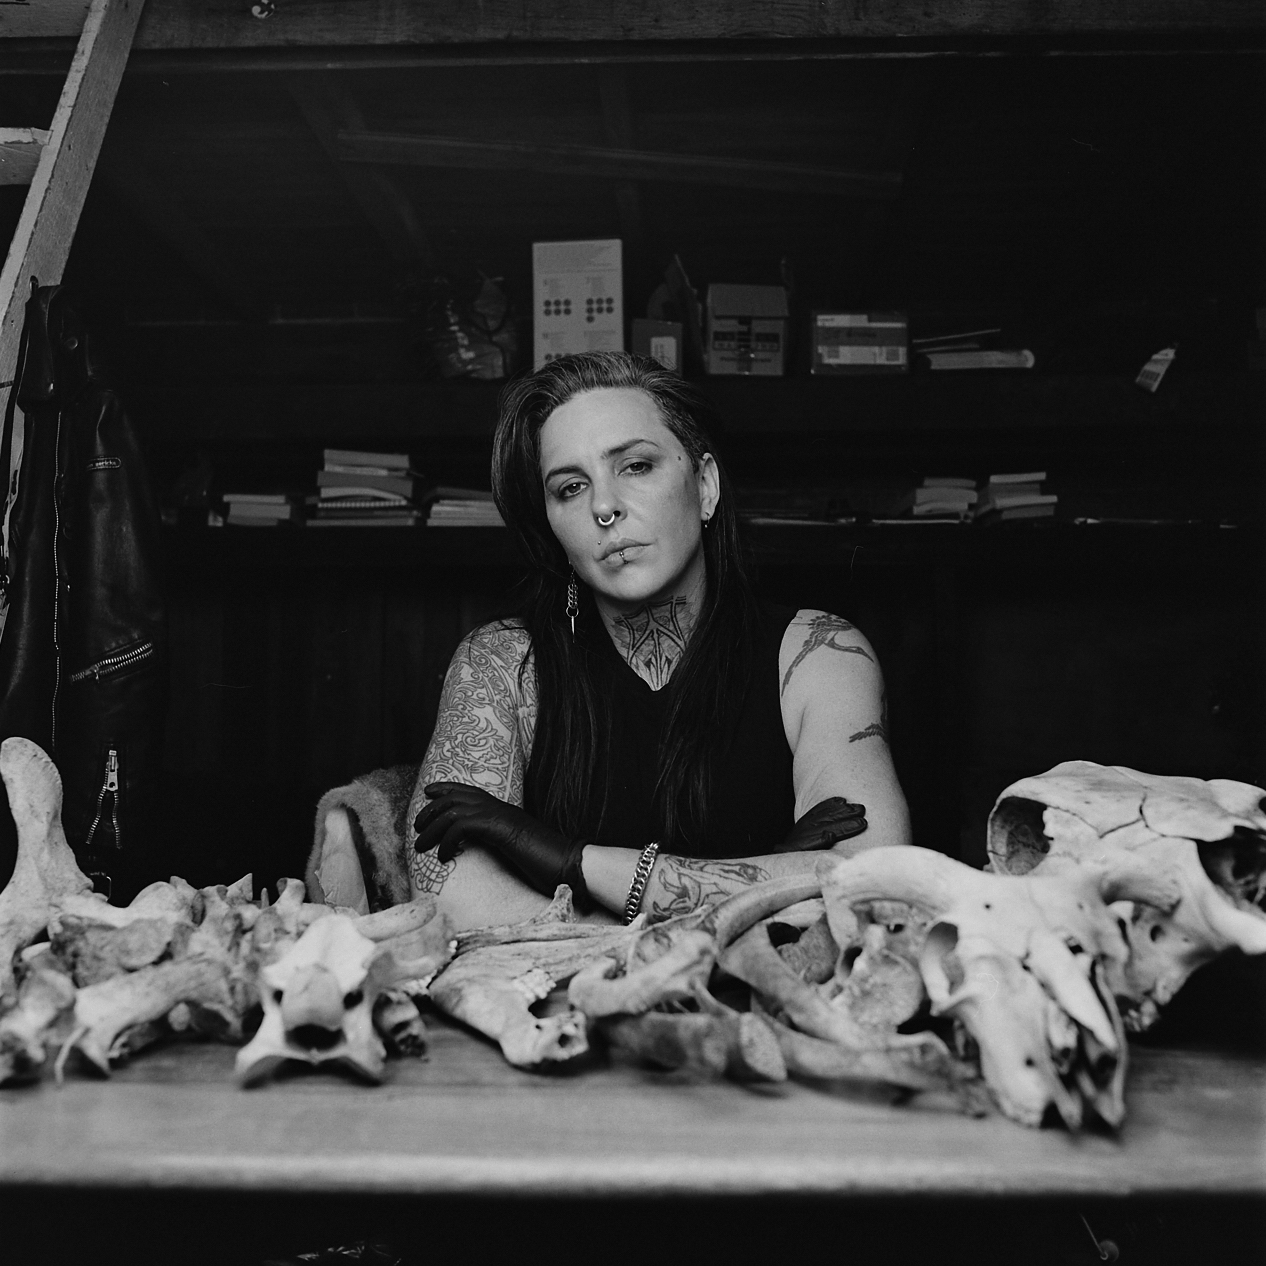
[(1190, 857), (45, 870)]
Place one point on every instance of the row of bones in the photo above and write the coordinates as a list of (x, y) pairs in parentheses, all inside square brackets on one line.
[(1106, 889)]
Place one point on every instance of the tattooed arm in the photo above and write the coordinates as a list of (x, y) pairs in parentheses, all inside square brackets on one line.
[(483, 736), (835, 717), (678, 885)]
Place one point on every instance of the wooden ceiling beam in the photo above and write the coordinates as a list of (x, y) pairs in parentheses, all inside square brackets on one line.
[(415, 150), (46, 228), (328, 107), (229, 23)]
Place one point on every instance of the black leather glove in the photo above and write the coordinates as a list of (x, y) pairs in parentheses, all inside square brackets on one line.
[(459, 815), (827, 823)]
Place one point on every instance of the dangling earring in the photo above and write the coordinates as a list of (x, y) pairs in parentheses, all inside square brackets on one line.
[(573, 602)]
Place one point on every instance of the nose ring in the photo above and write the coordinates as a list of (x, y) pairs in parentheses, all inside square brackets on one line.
[(606, 522)]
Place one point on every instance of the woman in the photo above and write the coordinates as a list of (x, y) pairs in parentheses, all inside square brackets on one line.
[(646, 731)]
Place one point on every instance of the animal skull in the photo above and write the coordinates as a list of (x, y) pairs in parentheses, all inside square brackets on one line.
[(1202, 845), (1020, 962)]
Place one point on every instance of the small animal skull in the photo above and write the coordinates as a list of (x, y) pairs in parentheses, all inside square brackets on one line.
[(1195, 850)]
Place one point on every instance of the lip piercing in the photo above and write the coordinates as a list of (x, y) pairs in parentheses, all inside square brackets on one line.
[(622, 558), (606, 522)]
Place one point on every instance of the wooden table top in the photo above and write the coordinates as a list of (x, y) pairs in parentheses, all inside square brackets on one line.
[(465, 1122)]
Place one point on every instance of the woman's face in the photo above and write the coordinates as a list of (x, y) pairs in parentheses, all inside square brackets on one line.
[(623, 499)]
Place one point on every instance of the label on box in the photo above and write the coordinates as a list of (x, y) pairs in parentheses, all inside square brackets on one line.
[(859, 342), (578, 297)]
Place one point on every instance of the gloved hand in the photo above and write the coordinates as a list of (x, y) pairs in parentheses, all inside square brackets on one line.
[(828, 822), (459, 815)]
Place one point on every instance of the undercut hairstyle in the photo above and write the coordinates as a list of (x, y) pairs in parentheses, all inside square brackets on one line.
[(708, 687)]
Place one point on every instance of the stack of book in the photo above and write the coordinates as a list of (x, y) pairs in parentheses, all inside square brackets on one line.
[(939, 497), (358, 489), (462, 507), (1016, 496), (971, 349), (258, 509)]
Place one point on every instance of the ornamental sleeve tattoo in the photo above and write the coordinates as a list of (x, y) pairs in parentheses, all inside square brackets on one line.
[(483, 732)]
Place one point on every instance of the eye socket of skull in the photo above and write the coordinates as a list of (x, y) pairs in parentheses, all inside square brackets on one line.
[(1017, 835), (1237, 865)]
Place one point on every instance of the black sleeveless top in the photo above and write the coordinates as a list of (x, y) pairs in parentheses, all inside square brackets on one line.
[(751, 800)]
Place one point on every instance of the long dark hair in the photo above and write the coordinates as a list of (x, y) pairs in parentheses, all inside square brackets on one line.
[(709, 684)]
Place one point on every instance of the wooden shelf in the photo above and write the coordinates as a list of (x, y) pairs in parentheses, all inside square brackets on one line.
[(195, 552)]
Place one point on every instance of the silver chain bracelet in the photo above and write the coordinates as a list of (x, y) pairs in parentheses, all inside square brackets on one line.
[(641, 873)]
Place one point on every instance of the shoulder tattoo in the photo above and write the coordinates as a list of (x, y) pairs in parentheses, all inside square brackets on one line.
[(691, 882), (829, 631)]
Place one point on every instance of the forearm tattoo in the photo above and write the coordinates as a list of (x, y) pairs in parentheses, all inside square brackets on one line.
[(690, 882), (653, 639), (483, 732), (876, 729), (829, 631)]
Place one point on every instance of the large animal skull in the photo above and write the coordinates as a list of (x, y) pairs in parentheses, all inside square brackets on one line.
[(1203, 844), (1020, 962)]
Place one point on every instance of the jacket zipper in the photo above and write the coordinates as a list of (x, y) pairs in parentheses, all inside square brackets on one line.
[(113, 663), (109, 786)]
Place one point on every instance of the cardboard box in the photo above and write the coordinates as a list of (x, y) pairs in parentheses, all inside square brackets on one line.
[(860, 343), (746, 330), (578, 298), (660, 340)]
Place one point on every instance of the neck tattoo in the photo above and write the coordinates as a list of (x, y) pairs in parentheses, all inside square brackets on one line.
[(652, 639)]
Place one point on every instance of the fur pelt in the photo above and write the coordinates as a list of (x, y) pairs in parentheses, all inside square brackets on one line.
[(377, 806)]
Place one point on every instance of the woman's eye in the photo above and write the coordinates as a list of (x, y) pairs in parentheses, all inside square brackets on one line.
[(564, 491), (638, 467)]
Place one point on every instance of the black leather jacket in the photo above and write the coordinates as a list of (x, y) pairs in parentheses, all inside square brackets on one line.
[(83, 649)]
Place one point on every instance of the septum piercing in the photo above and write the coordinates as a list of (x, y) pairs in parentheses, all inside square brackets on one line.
[(605, 522)]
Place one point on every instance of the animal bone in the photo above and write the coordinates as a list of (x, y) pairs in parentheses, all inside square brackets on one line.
[(1189, 855), (319, 995), (97, 940), (45, 870), (704, 1044), (499, 973), (46, 996), (1001, 951), (108, 1013)]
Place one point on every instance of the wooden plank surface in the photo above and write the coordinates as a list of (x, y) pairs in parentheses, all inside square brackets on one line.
[(464, 1122), (229, 23)]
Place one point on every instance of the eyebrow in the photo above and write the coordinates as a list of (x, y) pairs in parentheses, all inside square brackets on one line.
[(611, 452)]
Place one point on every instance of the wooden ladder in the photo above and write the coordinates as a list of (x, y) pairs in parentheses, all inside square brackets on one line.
[(57, 164)]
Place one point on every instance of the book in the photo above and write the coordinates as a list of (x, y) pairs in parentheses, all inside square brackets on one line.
[(376, 520), (401, 485), (1004, 500), (949, 481), (397, 462), (1011, 359), (384, 504), (441, 492), (357, 493), (1024, 477), (1007, 513), (257, 498)]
